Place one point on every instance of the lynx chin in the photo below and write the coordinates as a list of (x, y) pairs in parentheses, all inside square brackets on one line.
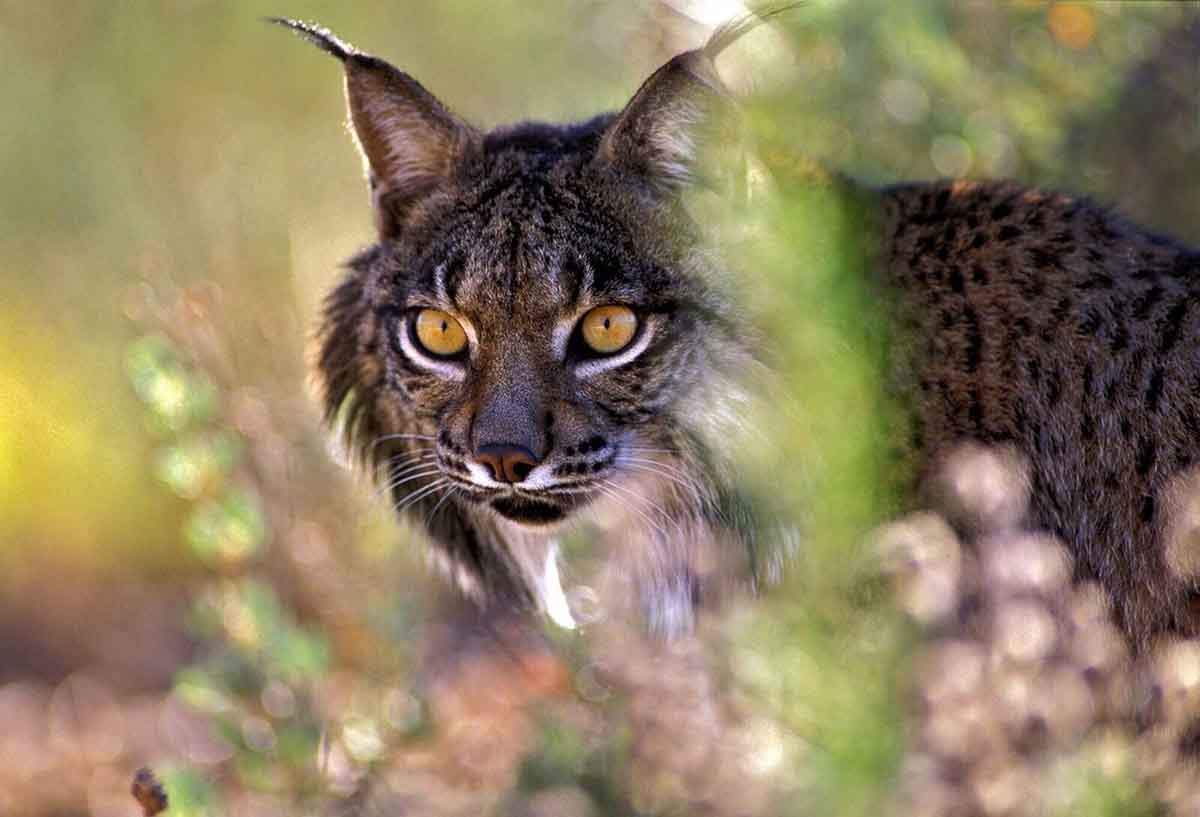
[(537, 338)]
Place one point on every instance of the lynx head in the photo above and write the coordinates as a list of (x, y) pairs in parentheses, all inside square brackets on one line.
[(533, 326)]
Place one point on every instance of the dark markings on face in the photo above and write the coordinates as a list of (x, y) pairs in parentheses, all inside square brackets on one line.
[(529, 239)]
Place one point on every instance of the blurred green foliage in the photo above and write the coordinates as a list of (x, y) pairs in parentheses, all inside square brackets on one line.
[(183, 153)]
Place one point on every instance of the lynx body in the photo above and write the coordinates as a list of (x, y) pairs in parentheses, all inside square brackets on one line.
[(535, 337)]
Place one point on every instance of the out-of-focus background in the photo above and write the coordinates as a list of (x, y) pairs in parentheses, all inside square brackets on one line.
[(188, 578)]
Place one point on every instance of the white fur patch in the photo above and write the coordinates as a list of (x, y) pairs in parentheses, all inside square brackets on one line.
[(554, 600)]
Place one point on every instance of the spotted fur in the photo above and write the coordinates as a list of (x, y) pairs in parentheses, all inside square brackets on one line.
[(1042, 321)]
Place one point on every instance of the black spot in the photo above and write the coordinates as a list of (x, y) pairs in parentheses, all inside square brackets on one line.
[(1091, 323), (1146, 513), (925, 244), (943, 198), (1154, 392), (978, 239), (1061, 309), (1120, 338), (975, 413), (1034, 367), (1146, 302), (1045, 259), (1089, 377), (1001, 211), (1020, 418), (1173, 325), (1145, 456), (956, 280), (1126, 428), (596, 443), (1102, 280), (1034, 286), (1054, 387), (1110, 390), (979, 274), (974, 350), (1087, 428), (1009, 232)]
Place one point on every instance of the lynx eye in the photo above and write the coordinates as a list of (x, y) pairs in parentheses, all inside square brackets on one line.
[(608, 329), (439, 333)]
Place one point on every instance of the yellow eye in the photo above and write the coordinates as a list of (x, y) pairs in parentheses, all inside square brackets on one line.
[(608, 329), (439, 333)]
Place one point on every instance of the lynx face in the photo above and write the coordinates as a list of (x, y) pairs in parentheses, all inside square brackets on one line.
[(532, 330), (525, 331)]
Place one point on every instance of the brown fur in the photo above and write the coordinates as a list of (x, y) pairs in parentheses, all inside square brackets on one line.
[(1029, 319), (1042, 321)]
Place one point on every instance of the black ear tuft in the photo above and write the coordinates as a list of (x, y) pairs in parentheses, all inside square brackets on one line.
[(733, 30), (319, 36)]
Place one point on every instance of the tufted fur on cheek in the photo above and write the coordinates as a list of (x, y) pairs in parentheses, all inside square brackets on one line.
[(349, 372)]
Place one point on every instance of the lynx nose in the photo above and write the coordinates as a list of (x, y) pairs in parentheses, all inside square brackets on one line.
[(508, 463)]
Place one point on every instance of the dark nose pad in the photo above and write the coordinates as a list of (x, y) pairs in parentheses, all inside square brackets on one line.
[(508, 463)]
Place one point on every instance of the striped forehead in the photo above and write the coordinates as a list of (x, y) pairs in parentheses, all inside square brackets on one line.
[(513, 274), (524, 245)]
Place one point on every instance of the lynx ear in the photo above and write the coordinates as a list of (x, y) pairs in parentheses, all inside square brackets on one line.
[(659, 134), (411, 143)]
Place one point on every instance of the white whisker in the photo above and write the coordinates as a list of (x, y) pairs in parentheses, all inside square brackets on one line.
[(451, 491), (615, 491), (420, 493), (389, 437), (679, 477), (394, 484)]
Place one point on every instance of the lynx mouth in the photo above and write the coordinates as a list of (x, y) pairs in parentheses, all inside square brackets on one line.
[(528, 511)]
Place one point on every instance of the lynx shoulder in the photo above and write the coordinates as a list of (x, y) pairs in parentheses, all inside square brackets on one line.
[(1042, 321)]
